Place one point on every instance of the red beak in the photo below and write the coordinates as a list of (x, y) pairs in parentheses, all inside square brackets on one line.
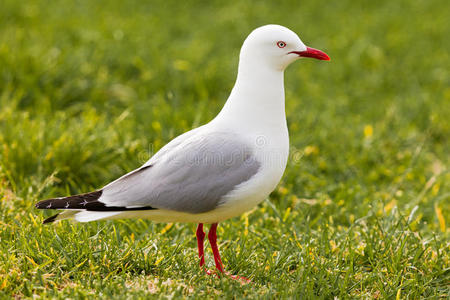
[(311, 52)]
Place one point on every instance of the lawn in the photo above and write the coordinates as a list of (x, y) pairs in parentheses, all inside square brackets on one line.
[(90, 89)]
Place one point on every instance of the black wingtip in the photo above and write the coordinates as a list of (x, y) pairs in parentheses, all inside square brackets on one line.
[(70, 202), (38, 205), (45, 204), (86, 201), (50, 220)]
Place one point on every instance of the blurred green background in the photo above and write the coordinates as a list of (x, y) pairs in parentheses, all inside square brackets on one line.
[(90, 89)]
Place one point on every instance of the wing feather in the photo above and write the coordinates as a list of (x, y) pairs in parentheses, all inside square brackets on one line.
[(192, 176)]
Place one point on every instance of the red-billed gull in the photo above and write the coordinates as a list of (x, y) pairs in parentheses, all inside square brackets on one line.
[(219, 170)]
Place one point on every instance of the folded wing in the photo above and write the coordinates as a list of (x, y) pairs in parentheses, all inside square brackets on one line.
[(192, 177)]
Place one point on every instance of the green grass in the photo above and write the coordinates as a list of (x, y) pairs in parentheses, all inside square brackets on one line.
[(89, 89)]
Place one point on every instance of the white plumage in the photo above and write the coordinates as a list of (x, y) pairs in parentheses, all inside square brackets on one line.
[(221, 169)]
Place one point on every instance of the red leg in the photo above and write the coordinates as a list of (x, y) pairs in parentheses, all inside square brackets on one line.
[(200, 239), (213, 241), (212, 236)]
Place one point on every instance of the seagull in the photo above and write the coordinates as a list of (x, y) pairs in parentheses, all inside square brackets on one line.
[(216, 171)]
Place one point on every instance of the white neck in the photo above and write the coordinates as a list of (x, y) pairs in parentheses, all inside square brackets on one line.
[(257, 99)]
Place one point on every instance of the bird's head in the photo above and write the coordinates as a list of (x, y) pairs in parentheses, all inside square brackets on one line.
[(276, 46)]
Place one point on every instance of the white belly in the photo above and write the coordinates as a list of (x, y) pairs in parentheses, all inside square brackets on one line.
[(242, 199), (272, 154), (271, 151)]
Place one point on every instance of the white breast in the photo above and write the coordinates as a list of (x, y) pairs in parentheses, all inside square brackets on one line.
[(272, 152)]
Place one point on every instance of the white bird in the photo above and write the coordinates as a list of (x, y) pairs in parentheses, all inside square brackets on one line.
[(219, 170)]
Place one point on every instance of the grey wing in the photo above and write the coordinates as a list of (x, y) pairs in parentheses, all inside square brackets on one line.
[(191, 177)]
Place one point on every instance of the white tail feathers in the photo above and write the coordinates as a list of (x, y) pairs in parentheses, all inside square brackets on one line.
[(87, 216)]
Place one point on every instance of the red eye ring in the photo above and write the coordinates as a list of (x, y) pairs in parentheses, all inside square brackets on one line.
[(281, 44)]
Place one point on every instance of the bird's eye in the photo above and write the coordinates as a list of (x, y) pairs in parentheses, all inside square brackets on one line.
[(281, 44)]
